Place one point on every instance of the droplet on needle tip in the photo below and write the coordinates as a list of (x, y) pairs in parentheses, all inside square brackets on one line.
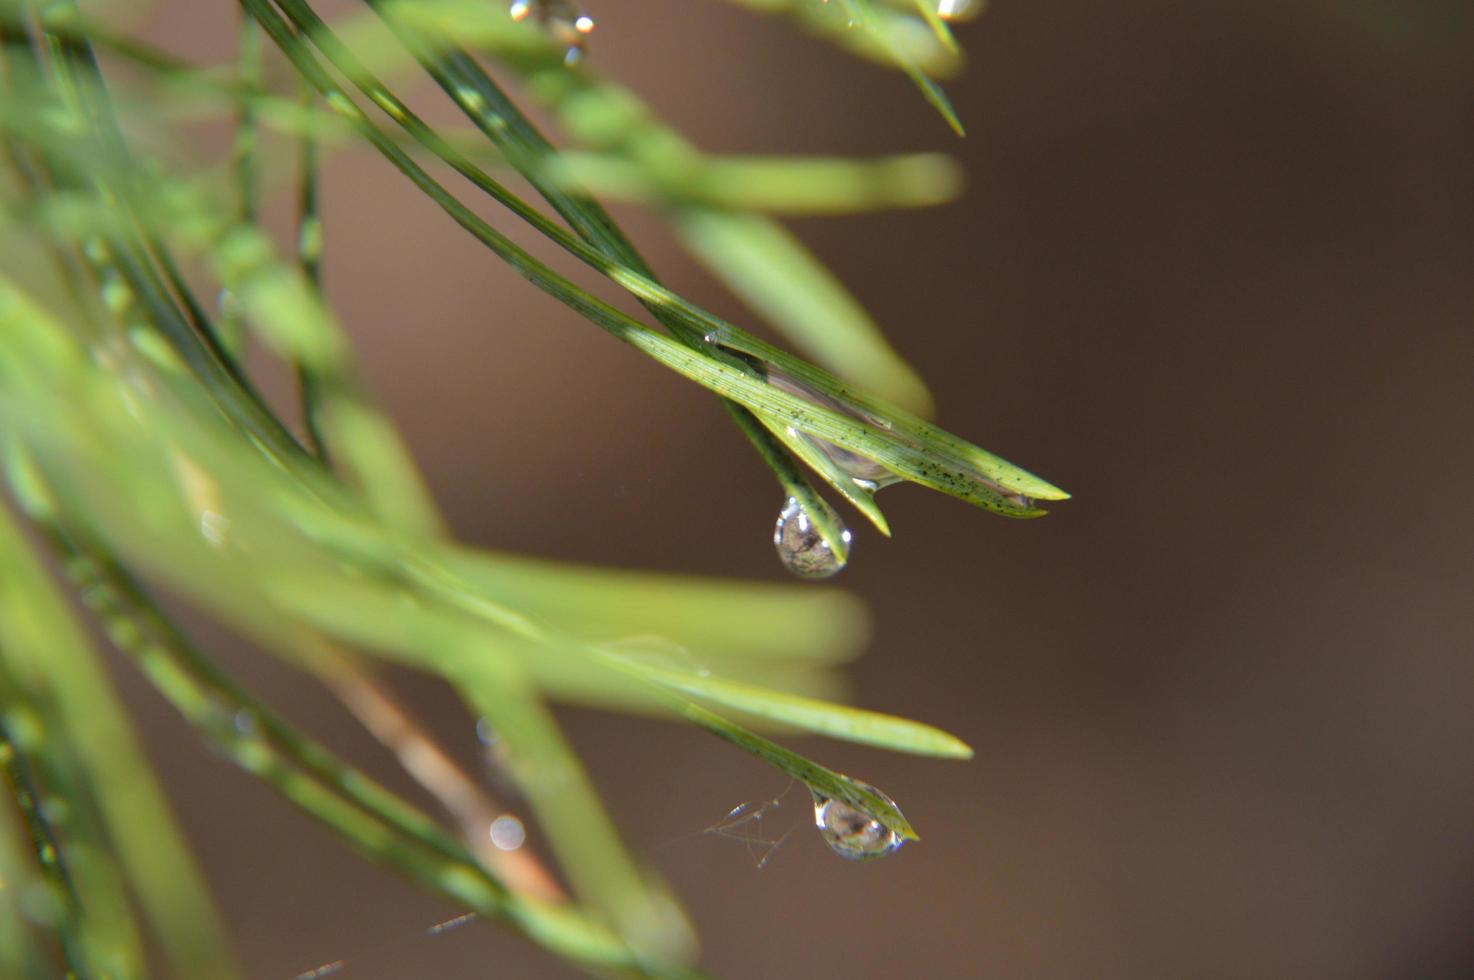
[(801, 547), (851, 833)]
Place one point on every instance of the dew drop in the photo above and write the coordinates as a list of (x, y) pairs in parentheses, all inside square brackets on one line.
[(854, 834), (214, 527), (56, 810), (563, 21), (245, 723), (507, 833), (485, 733), (959, 9), (801, 548), (660, 652)]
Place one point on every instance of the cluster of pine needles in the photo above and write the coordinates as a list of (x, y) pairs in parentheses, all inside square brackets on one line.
[(142, 461)]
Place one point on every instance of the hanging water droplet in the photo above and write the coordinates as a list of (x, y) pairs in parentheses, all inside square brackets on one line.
[(854, 834), (485, 733), (801, 547)]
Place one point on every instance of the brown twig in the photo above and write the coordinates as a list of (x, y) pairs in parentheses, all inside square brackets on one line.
[(472, 808)]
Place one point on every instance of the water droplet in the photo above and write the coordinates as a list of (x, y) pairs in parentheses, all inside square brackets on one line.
[(228, 303), (507, 833), (563, 21), (213, 527), (959, 9), (660, 652), (485, 734), (854, 834), (801, 548), (25, 727), (56, 810), (866, 473), (245, 723)]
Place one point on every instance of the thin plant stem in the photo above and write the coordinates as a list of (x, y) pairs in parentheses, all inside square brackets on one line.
[(424, 759)]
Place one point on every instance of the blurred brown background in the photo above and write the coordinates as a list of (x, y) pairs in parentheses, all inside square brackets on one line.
[(1214, 274)]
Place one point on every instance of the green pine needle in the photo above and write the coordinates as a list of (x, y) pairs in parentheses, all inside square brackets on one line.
[(137, 446)]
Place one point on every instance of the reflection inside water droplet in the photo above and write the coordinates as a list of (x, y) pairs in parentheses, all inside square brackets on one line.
[(854, 834), (801, 548)]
